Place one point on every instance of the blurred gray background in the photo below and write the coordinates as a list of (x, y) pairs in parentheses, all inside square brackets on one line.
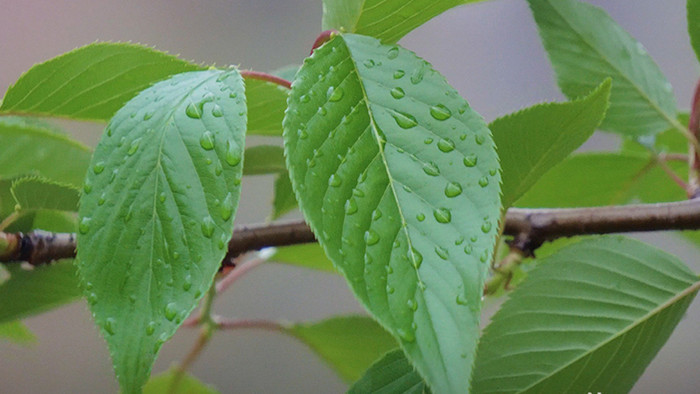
[(489, 51)]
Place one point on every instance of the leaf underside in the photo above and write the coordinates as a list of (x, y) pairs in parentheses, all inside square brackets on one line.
[(399, 180), (586, 46), (589, 318), (157, 212)]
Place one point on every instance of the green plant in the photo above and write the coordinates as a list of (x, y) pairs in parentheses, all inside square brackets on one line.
[(401, 183)]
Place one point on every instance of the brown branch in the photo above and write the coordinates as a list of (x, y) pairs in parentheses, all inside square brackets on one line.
[(530, 227)]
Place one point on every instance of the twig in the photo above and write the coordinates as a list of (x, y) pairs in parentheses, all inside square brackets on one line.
[(249, 324), (530, 226)]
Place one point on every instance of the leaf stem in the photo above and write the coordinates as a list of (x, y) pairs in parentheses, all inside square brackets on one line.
[(208, 326), (259, 75)]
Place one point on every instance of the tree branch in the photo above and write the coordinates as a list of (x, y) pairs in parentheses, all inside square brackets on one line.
[(530, 227)]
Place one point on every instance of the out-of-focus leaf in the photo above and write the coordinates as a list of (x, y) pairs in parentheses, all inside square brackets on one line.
[(350, 344), (586, 46), (309, 255)]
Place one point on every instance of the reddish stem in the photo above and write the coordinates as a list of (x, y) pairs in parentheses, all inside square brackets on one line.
[(323, 38), (266, 77), (694, 127)]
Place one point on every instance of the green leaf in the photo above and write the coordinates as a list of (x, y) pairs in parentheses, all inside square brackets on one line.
[(669, 141), (56, 221), (350, 344), (588, 319), (533, 140), (187, 384), (91, 82), (387, 20), (157, 212), (596, 179), (380, 151), (586, 46), (392, 374), (309, 255), (26, 150), (16, 332), (32, 193), (266, 104), (693, 7), (29, 292), (264, 159), (284, 200)]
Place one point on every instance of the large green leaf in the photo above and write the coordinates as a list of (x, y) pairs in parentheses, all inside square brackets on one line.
[(388, 20), (305, 255), (26, 149), (589, 318), (586, 46), (595, 179), (33, 193), (266, 104), (350, 344), (16, 332), (187, 384), (693, 7), (383, 156), (392, 374), (91, 82), (29, 292), (158, 209), (533, 140)]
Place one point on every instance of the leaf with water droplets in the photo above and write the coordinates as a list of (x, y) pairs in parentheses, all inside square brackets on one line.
[(158, 210), (389, 192), (91, 82), (388, 20), (586, 46), (531, 141)]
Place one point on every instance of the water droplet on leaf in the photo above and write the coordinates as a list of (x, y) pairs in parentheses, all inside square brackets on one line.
[(397, 93), (207, 140), (170, 311), (208, 226), (440, 112), (442, 215), (446, 145), (371, 237), (453, 189), (404, 120)]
